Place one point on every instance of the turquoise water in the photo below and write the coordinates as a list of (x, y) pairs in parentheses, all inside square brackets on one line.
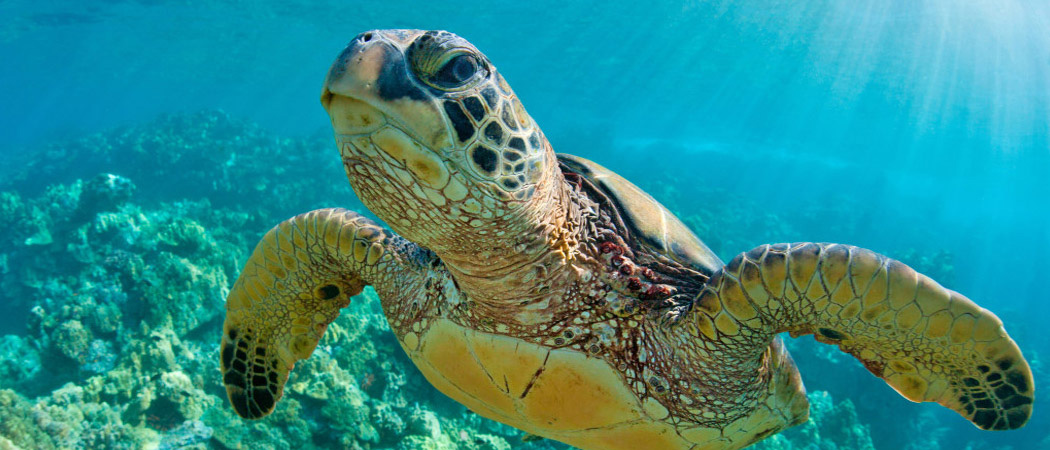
[(917, 129)]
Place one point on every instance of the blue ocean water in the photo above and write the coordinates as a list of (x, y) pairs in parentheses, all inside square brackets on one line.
[(917, 129)]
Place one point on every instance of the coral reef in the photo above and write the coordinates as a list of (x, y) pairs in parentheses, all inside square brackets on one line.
[(831, 426), (19, 361)]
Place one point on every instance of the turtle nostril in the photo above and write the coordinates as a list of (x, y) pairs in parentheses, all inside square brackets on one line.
[(366, 37)]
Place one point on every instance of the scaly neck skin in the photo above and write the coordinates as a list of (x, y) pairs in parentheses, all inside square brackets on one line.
[(510, 271)]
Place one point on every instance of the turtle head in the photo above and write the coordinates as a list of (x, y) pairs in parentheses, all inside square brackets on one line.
[(433, 139)]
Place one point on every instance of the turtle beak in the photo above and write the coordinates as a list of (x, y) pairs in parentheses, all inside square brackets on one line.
[(326, 97), (357, 70), (374, 71)]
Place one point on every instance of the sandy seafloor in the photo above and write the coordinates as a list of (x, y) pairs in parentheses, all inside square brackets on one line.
[(146, 145)]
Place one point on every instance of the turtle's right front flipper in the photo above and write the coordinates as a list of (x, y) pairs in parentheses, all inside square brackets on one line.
[(300, 275), (927, 342)]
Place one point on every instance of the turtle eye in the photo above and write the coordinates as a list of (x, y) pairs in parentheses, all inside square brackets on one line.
[(446, 62), (457, 70)]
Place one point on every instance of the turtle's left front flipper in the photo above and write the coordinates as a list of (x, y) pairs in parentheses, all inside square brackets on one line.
[(300, 275), (927, 342)]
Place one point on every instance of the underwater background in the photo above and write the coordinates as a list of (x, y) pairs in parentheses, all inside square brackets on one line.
[(146, 145)]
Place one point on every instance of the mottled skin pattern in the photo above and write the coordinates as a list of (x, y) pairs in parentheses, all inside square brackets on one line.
[(550, 294)]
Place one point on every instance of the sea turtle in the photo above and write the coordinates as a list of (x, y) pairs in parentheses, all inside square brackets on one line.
[(548, 293)]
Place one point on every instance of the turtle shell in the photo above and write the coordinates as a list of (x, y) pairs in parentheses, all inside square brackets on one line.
[(652, 224)]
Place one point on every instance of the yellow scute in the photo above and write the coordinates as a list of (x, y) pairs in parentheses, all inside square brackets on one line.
[(644, 435), (541, 390), (575, 392), (446, 349), (438, 381), (507, 361), (560, 394)]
